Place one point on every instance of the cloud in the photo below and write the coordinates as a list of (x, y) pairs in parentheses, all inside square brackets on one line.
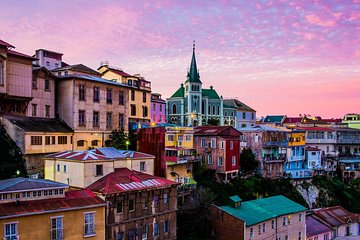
[(316, 20)]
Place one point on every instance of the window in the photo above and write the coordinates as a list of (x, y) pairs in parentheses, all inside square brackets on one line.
[(82, 90), (284, 221), (289, 219), (109, 96), (132, 109), (47, 110), (132, 95), (33, 83), (180, 138), (10, 231), (174, 109), (119, 207), (1, 74), (144, 96), (170, 138), (36, 140), (299, 235), (58, 167), (130, 82), (220, 161), (272, 224), (251, 232), (99, 170), (156, 229), (210, 161), (94, 143), (188, 138), (203, 143), (231, 145), (56, 228), (131, 205), (121, 98), (233, 160), (156, 200), (66, 72), (89, 224), (96, 94), (47, 85), (144, 232), (145, 111), (213, 143), (131, 234), (65, 169), (259, 228), (166, 198), (243, 115), (142, 167), (82, 118), (222, 144), (160, 107), (166, 226), (109, 120), (34, 107), (96, 119), (145, 203), (286, 237), (263, 227), (300, 217)]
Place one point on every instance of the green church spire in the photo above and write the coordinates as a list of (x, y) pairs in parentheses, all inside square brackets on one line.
[(193, 74)]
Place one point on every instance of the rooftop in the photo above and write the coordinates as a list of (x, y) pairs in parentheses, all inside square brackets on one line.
[(106, 153), (72, 200), (315, 226), (228, 131), (262, 209), (23, 184), (3, 43), (125, 180), (274, 119), (19, 54), (336, 215), (78, 67), (32, 124), (239, 105)]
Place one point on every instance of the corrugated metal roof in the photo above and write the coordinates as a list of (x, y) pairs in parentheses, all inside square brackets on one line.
[(315, 226), (337, 215), (259, 210), (19, 184)]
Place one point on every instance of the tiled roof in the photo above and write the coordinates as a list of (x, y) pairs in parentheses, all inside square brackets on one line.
[(99, 154), (78, 67), (12, 52), (124, 180), (72, 200), (293, 120), (210, 93), (179, 92), (315, 226), (3, 43), (19, 184), (336, 215), (32, 124), (92, 78), (216, 130), (239, 105), (262, 209)]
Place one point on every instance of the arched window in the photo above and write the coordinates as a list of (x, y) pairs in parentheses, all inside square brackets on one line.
[(174, 109), (232, 114), (80, 143), (225, 122), (213, 110), (94, 143), (203, 107), (225, 113), (192, 87), (218, 110), (209, 110)]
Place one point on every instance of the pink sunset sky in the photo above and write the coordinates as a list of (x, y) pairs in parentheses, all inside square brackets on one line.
[(279, 57)]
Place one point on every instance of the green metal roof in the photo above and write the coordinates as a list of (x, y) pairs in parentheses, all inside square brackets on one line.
[(210, 93), (274, 119), (259, 210), (235, 198), (179, 92), (193, 74)]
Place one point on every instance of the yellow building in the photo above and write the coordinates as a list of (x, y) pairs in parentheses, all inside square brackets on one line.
[(79, 169), (180, 154), (139, 93), (43, 209)]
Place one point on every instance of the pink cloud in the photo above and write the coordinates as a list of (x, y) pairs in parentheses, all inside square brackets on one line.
[(316, 20)]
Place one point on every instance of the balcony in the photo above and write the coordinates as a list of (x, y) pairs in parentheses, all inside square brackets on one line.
[(320, 140), (298, 173), (181, 159), (348, 140), (274, 159), (296, 158), (276, 143)]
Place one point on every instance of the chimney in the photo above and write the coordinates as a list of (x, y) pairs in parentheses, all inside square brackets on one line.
[(235, 201)]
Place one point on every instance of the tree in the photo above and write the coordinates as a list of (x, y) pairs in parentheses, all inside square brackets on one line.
[(119, 139), (247, 160), (213, 122)]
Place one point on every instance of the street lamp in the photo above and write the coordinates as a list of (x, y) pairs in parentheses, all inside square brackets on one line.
[(127, 144)]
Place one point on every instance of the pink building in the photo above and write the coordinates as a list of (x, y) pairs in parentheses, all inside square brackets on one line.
[(158, 109)]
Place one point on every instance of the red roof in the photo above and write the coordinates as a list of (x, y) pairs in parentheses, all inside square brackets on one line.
[(333, 120), (12, 52), (126, 180), (3, 43), (337, 215), (120, 72), (72, 200), (327, 129), (293, 120), (315, 226), (228, 131), (308, 148)]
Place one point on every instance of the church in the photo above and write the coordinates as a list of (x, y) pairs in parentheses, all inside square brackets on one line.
[(193, 105)]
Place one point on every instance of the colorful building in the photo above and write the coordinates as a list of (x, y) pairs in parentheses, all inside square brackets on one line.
[(295, 165), (317, 229), (266, 218), (245, 115), (174, 149), (79, 169), (269, 144), (138, 90), (158, 109), (140, 206), (43, 209), (219, 148), (313, 159), (352, 120)]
